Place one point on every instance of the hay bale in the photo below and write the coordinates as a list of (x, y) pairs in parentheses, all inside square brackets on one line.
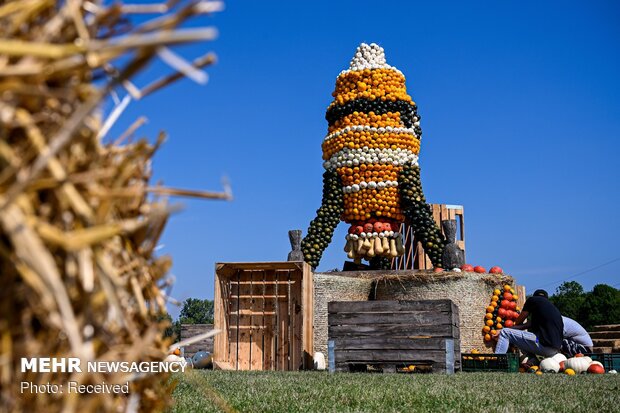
[(78, 228), (335, 286), (471, 292)]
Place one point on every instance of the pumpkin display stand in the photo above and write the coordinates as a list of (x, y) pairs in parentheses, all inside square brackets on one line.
[(469, 291)]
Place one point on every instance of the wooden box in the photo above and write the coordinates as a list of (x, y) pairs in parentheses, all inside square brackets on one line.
[(415, 258), (394, 334), (191, 330), (265, 312)]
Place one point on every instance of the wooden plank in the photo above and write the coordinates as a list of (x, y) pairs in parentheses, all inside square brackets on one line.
[(297, 321), (390, 366), (248, 312), (261, 266), (422, 260), (220, 345), (454, 309), (290, 323), (222, 365), (388, 343), (249, 282), (269, 322), (413, 319), (461, 242), (409, 255), (254, 327), (258, 308), (245, 320), (282, 325), (443, 215), (233, 320), (388, 306), (520, 290), (307, 308), (393, 330), (259, 297), (390, 355)]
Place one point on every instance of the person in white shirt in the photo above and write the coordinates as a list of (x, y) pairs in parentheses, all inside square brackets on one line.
[(576, 339)]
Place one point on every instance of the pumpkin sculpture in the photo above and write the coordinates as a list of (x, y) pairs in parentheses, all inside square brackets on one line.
[(372, 177)]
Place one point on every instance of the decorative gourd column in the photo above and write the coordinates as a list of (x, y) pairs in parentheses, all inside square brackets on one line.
[(372, 177)]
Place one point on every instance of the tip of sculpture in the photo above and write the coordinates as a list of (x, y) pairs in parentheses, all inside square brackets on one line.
[(368, 56)]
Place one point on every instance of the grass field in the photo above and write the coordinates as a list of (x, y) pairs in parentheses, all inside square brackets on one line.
[(214, 391)]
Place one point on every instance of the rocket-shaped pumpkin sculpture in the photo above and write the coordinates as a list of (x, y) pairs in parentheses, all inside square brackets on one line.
[(372, 177)]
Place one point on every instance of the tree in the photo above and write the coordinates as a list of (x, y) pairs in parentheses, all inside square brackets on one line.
[(174, 327), (600, 306), (569, 298), (196, 311)]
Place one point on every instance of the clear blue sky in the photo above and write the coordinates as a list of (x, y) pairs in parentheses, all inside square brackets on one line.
[(520, 106)]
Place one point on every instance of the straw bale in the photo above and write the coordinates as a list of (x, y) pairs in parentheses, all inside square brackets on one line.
[(471, 292), (335, 286), (78, 228)]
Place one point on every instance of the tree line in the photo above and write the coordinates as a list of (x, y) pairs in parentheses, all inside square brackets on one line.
[(193, 311), (591, 308)]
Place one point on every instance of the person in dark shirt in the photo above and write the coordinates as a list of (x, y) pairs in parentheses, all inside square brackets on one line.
[(545, 329)]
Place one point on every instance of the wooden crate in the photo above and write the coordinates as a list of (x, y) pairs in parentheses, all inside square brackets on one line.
[(415, 258), (393, 334), (265, 312), (191, 330)]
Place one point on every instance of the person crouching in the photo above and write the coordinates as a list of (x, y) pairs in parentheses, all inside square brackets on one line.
[(545, 328)]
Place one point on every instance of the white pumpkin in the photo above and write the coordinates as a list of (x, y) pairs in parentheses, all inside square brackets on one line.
[(578, 364), (559, 357), (319, 361), (171, 358), (550, 365)]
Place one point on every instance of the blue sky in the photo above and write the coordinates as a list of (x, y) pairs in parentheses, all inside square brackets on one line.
[(520, 107)]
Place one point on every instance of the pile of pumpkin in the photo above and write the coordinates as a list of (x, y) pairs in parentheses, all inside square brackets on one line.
[(574, 365), (501, 312)]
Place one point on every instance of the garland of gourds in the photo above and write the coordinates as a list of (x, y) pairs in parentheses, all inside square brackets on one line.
[(501, 312), (327, 218), (371, 160), (419, 214)]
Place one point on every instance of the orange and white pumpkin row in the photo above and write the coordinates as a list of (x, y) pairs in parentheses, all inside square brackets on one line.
[(574, 365)]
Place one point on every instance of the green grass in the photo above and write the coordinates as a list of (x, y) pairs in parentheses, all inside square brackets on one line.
[(203, 391)]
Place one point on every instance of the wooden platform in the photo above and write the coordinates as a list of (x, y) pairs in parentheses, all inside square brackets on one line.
[(265, 312), (606, 338), (392, 334)]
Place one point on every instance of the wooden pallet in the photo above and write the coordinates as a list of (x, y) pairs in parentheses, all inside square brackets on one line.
[(191, 330), (415, 258), (265, 311), (393, 334)]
